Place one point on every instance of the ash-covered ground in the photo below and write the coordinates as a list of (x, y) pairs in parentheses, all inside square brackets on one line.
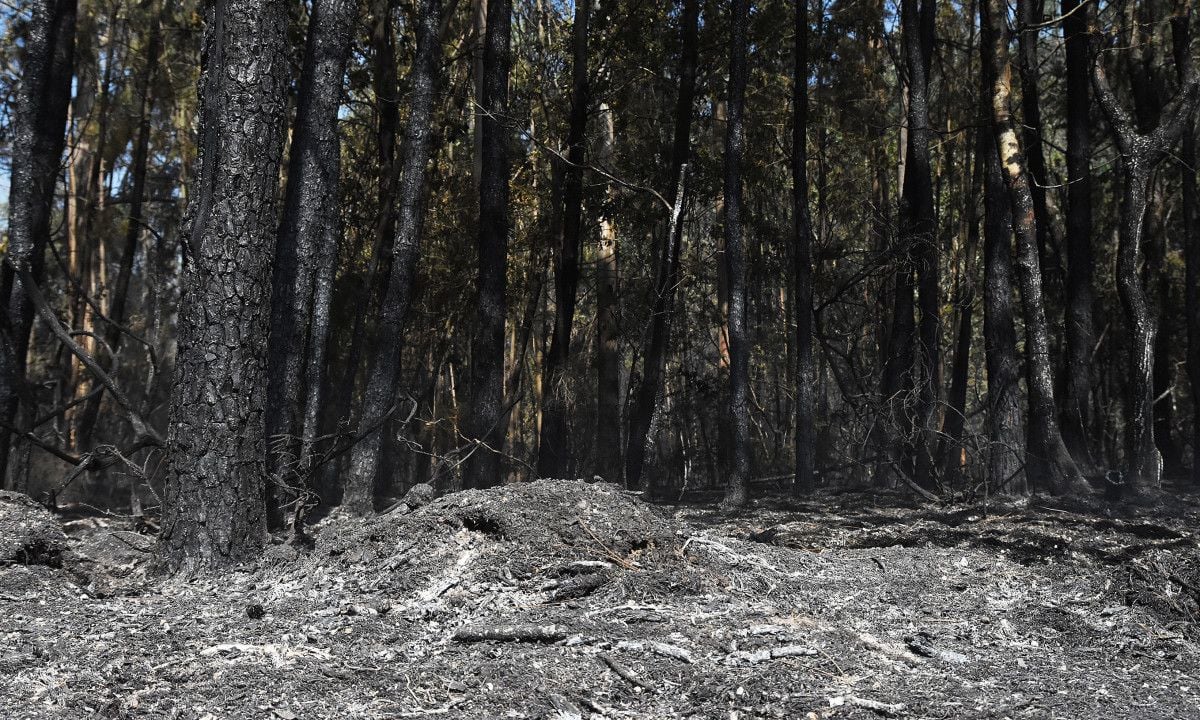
[(562, 599)]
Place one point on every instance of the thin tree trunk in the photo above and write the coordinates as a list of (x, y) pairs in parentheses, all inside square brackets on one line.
[(1055, 469), (485, 424), (554, 457), (214, 506), (649, 397), (384, 379), (307, 238), (1080, 295), (735, 262), (608, 330), (1140, 153), (1181, 36), (806, 440), (918, 229), (38, 139)]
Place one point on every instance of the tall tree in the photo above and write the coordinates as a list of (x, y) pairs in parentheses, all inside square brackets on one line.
[(383, 382), (806, 376), (214, 507), (1080, 294), (608, 331), (306, 245), (918, 226), (1051, 464), (1140, 154), (38, 138), (735, 260), (1181, 37), (553, 447), (645, 414), (485, 424)]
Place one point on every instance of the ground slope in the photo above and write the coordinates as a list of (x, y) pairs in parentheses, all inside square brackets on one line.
[(560, 599)]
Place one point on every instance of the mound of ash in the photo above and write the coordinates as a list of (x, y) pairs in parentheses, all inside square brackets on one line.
[(29, 533)]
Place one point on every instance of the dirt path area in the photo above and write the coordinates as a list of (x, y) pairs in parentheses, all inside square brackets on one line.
[(561, 599)]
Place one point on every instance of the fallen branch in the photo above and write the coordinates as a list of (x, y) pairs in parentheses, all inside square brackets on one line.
[(888, 709), (512, 633), (625, 673)]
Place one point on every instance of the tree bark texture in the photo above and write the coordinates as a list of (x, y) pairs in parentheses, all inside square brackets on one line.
[(608, 330), (802, 270), (214, 507)]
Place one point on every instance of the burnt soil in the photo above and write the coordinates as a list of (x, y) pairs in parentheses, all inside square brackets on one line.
[(560, 599)]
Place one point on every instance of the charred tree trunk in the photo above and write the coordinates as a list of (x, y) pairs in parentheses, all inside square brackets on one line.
[(735, 262), (919, 232), (649, 398), (1140, 153), (608, 331), (384, 378), (214, 507), (1054, 468), (806, 376), (307, 243), (1005, 427), (38, 139), (554, 458), (1080, 295), (1181, 26), (485, 424)]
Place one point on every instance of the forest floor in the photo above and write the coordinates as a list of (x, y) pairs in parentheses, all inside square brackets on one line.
[(559, 599)]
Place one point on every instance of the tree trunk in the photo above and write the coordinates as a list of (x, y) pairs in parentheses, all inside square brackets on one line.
[(608, 330), (1080, 295), (806, 379), (649, 397), (307, 238), (735, 262), (1054, 468), (919, 232), (214, 507), (485, 424), (554, 458), (1181, 36), (37, 141), (1140, 153), (384, 378)]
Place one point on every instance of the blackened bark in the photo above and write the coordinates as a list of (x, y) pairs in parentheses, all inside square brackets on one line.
[(802, 270), (1181, 36), (38, 139), (485, 424), (554, 458), (1080, 294), (384, 378), (1029, 14), (1140, 153), (648, 400), (214, 507), (1005, 427), (918, 228), (735, 262), (113, 335), (608, 331), (306, 244), (1051, 465)]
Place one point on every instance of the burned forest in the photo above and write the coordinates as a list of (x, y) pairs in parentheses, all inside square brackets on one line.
[(599, 359)]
